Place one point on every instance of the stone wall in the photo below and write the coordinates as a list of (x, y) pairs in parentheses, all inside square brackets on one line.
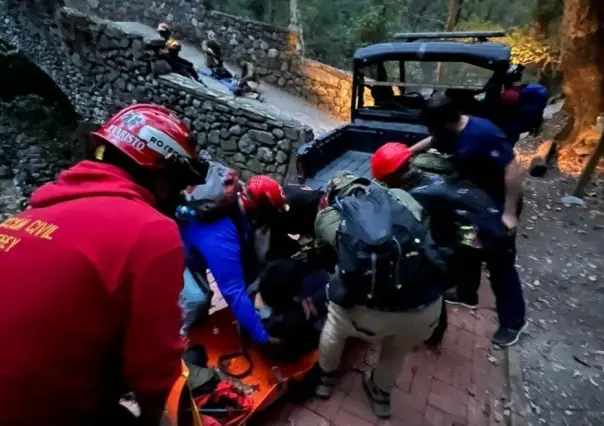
[(267, 46), (101, 68), (271, 48)]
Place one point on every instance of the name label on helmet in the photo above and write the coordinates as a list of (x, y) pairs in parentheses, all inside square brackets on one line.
[(127, 137), (161, 143)]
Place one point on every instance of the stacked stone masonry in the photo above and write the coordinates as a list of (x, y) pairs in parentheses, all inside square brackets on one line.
[(101, 68), (270, 48)]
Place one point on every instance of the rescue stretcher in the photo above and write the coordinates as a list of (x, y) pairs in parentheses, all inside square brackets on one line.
[(265, 382)]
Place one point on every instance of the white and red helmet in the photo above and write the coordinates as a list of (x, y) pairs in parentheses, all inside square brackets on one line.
[(163, 28), (148, 134)]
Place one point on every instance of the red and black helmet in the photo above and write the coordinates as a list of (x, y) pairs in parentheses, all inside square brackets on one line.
[(263, 193)]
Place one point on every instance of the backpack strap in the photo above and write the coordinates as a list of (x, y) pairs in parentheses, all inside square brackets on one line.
[(326, 225)]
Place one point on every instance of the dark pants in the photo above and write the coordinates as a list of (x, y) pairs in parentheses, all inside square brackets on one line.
[(504, 279), (465, 272), (506, 284)]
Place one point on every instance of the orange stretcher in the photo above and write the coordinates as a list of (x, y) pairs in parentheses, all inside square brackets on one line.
[(265, 382)]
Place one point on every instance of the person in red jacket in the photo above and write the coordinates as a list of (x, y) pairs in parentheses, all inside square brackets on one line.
[(91, 276)]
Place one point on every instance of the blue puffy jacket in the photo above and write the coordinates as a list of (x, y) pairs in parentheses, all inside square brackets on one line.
[(220, 245)]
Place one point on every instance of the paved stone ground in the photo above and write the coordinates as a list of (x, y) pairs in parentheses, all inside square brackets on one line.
[(464, 385)]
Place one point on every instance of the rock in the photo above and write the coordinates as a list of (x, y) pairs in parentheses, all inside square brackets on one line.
[(236, 130), (239, 158), (246, 144), (281, 82), (5, 172), (201, 139), (278, 133), (281, 157), (284, 145), (570, 200), (272, 53), (291, 133), (255, 166), (229, 145), (246, 175), (263, 45), (190, 112), (214, 137), (94, 4), (120, 83), (138, 49), (265, 155), (263, 137)]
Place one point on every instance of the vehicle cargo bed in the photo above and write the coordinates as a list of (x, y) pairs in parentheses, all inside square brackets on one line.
[(356, 162)]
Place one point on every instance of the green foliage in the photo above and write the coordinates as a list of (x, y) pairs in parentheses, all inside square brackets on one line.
[(333, 29)]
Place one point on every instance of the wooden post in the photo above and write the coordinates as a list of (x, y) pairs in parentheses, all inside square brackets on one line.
[(593, 161)]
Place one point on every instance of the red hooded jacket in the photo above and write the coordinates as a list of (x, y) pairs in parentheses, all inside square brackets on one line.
[(89, 287)]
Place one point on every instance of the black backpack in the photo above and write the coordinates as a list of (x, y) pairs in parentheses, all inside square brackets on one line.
[(381, 248)]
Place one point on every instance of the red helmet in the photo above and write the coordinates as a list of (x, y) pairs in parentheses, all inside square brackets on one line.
[(389, 158), (262, 193), (147, 134), (510, 96)]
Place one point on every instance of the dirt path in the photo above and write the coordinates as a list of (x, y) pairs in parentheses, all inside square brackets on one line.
[(561, 262), (282, 101)]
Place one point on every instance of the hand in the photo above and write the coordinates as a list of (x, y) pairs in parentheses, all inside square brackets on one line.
[(511, 223)]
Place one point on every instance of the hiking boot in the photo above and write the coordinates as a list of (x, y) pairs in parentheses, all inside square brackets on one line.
[(507, 336), (327, 382), (380, 400), (453, 299)]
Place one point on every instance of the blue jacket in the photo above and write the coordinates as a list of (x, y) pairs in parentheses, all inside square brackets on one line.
[(219, 244)]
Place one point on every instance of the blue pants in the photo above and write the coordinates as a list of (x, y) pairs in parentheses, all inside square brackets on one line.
[(505, 282), (192, 299)]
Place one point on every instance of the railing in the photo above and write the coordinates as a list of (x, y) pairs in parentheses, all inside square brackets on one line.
[(481, 36)]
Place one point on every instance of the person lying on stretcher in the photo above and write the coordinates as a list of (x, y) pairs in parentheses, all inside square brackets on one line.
[(290, 298)]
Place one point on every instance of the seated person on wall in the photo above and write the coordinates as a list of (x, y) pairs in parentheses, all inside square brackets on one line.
[(179, 65), (165, 34), (164, 31), (227, 243), (213, 56), (249, 81), (290, 298)]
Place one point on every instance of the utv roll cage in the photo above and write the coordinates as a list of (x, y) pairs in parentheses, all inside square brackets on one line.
[(473, 48)]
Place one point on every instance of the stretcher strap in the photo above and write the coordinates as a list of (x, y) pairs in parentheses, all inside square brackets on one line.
[(223, 359), (223, 364)]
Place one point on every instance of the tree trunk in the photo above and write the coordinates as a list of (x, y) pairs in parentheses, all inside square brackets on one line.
[(453, 14), (582, 65), (450, 24)]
